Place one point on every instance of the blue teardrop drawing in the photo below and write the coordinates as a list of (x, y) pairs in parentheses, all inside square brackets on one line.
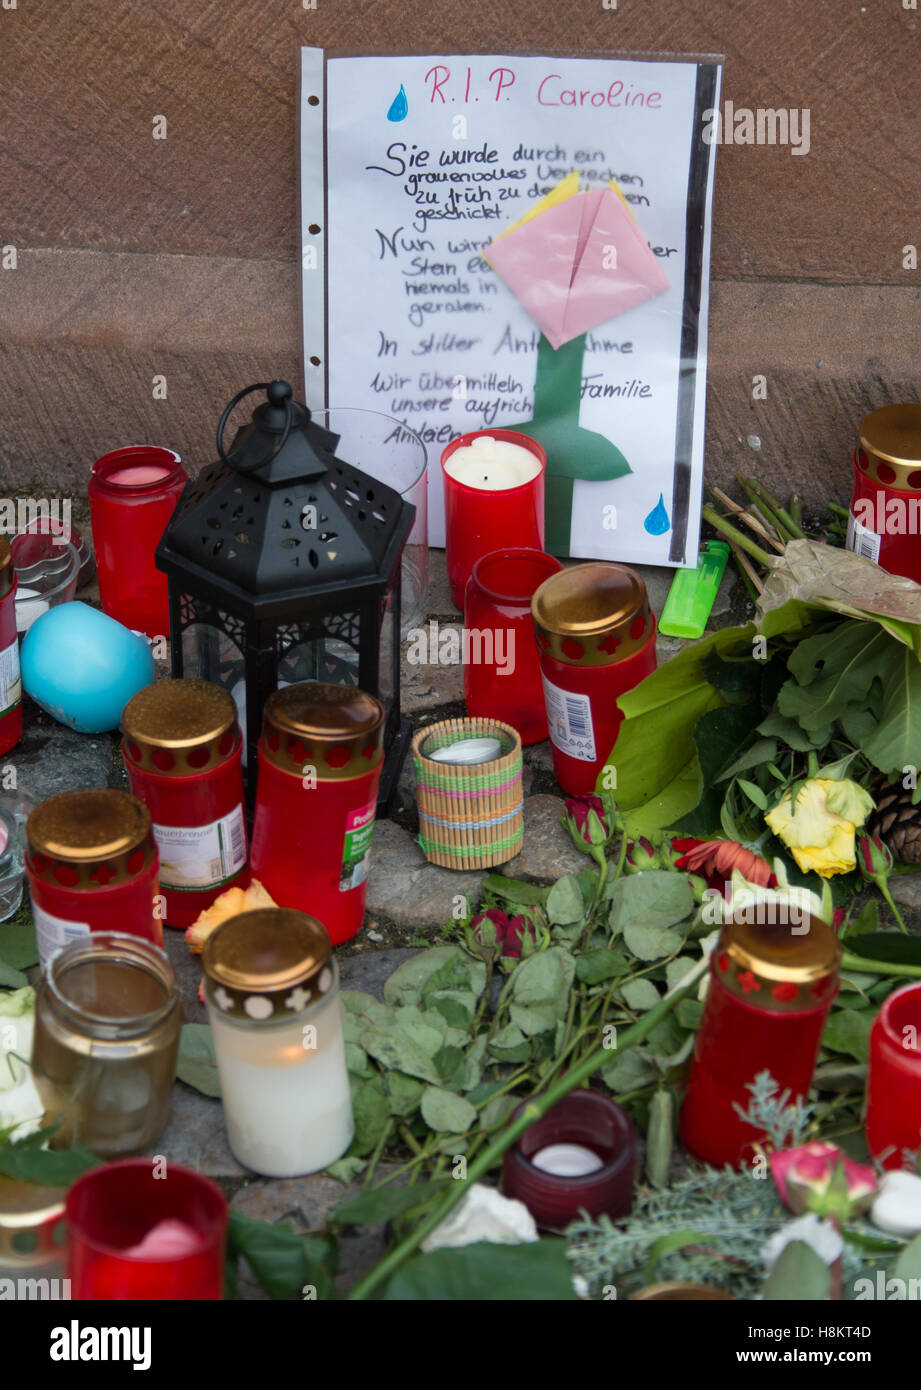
[(657, 522), (399, 107)]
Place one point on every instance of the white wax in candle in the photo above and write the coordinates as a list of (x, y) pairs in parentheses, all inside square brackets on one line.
[(138, 473), (567, 1160), (28, 607), (492, 465), (287, 1108)]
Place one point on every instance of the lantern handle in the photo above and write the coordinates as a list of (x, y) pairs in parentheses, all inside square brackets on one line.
[(259, 386)]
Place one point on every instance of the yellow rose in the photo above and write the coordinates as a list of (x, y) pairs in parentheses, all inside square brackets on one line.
[(820, 830)]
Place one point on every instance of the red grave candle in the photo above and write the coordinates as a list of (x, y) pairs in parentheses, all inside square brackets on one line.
[(596, 636), (10, 683), (92, 865), (580, 1156), (494, 497), (885, 516), (771, 987), (133, 493), (320, 758), (501, 666), (136, 1233), (182, 752), (894, 1078)]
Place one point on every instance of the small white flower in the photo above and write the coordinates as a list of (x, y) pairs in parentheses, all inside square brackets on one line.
[(257, 1006), (819, 1235), (483, 1214), (897, 1208)]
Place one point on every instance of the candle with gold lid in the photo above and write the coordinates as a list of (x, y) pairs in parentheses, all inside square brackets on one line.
[(773, 979), (182, 752), (10, 682), (272, 989), (107, 1022), (885, 516), (596, 636), (320, 760), (494, 498), (32, 1234), (92, 865)]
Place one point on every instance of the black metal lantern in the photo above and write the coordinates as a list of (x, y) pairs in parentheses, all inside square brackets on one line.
[(283, 564)]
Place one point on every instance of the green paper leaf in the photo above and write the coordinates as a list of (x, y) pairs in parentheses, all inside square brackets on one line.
[(197, 1065), (799, 1274), (848, 1030), (446, 1110), (564, 902), (375, 1205), (537, 1270)]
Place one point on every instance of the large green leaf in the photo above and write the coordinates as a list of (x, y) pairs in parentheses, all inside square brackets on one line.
[(441, 972), (447, 1111), (833, 670), (896, 743), (286, 1263), (540, 990), (375, 1205), (535, 1270), (721, 736), (655, 899), (197, 1065), (18, 947), (799, 1274)]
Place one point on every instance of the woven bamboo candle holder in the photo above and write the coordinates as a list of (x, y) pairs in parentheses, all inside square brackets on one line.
[(470, 816)]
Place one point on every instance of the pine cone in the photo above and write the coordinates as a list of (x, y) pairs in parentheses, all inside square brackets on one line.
[(896, 821)]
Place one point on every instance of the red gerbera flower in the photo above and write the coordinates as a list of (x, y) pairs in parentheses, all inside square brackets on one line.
[(716, 859)]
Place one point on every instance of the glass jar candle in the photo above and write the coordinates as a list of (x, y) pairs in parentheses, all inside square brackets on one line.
[(494, 496), (32, 1236), (272, 989), (92, 865), (133, 493), (182, 751), (771, 986), (885, 519), (501, 666), (107, 1023), (894, 1078), (596, 636), (10, 683), (320, 758), (580, 1156), (138, 1230)]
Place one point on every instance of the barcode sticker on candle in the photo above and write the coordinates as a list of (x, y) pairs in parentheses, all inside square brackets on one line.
[(862, 540), (359, 827), (569, 719), (194, 857), (10, 684), (51, 933)]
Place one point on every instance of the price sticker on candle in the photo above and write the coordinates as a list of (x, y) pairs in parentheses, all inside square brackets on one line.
[(359, 828), (200, 856), (10, 683), (569, 719), (51, 932)]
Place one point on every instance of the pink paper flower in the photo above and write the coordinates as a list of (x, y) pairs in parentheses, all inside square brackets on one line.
[(819, 1177)]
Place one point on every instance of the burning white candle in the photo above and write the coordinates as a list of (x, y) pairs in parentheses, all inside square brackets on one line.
[(567, 1160), (492, 465)]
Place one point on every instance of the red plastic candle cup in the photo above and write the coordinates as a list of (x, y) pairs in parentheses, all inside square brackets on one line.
[(501, 665), (92, 865), (320, 758), (885, 520), (494, 497), (133, 493), (772, 984), (10, 682), (596, 638), (894, 1078), (137, 1233), (182, 752), (580, 1156)]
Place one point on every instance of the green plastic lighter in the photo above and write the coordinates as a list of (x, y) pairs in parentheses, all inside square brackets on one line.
[(693, 593)]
